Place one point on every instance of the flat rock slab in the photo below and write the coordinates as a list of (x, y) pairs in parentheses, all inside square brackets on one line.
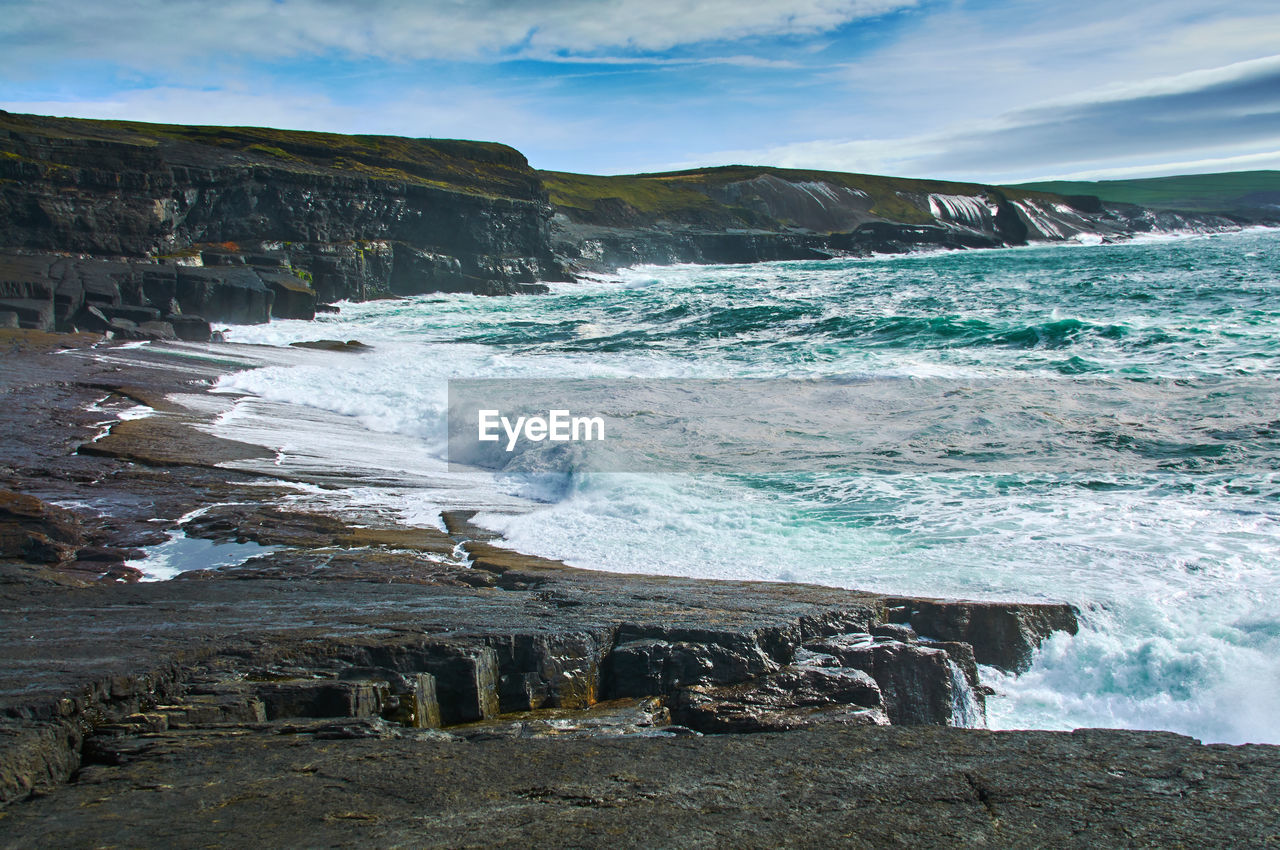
[(864, 787), (55, 642)]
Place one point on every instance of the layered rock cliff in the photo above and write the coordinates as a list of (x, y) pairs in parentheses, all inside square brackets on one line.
[(286, 219), (148, 230), (742, 214)]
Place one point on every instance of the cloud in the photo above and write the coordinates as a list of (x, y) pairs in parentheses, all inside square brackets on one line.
[(1228, 115), (453, 112), (145, 32)]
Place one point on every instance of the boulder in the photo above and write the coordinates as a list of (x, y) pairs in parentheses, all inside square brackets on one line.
[(654, 666), (350, 345), (135, 314), (293, 298), (189, 328), (1002, 634), (157, 330), (321, 698), (35, 531), (794, 697), (231, 294), (916, 680)]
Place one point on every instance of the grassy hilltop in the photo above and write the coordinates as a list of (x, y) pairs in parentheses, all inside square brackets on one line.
[(476, 167), (1225, 192)]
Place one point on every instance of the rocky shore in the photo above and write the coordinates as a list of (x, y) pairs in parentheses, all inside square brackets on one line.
[(359, 681)]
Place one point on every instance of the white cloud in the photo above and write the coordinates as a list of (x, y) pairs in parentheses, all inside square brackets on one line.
[(143, 33), (458, 112), (1227, 118)]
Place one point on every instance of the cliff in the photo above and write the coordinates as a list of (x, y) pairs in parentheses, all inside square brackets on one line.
[(1245, 195), (153, 231), (288, 218), (740, 214)]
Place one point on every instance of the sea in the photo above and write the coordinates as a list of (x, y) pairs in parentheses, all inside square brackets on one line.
[(1124, 399)]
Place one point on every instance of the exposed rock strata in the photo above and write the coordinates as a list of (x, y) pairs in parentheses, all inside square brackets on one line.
[(150, 231), (353, 784), (262, 676), (273, 216)]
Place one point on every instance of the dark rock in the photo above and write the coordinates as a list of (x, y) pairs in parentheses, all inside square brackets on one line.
[(31, 313), (137, 315), (1003, 635), (916, 680), (651, 666), (36, 754), (108, 554), (790, 698), (351, 345), (35, 531), (820, 787), (894, 631), (8, 319), (232, 294), (320, 698), (190, 328), (550, 671), (126, 192), (328, 308), (157, 330), (293, 298)]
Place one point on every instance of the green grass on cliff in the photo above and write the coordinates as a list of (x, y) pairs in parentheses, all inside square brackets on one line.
[(485, 168), (680, 195), (1198, 192), (645, 195)]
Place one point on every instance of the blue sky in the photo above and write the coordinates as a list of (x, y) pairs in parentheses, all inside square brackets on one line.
[(990, 90)]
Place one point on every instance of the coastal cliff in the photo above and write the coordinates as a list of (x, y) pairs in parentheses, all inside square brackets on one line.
[(151, 231), (277, 221), (743, 214)]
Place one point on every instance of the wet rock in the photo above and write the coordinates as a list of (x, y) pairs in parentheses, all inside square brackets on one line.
[(321, 698), (294, 299), (1002, 634), (157, 330), (190, 328), (350, 345), (653, 666), (274, 527), (792, 698), (915, 680), (550, 671), (34, 531), (894, 631), (622, 718)]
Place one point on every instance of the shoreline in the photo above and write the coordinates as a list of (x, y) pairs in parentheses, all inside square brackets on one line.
[(354, 640)]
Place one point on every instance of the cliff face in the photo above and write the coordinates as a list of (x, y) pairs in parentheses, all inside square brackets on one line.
[(741, 214), (344, 216), (150, 230)]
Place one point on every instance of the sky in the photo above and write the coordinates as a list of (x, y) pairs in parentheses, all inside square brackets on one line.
[(983, 90)]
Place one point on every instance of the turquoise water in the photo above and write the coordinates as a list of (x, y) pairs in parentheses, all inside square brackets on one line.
[(1160, 518)]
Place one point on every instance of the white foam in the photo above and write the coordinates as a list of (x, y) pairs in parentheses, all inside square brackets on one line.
[(180, 554), (1179, 586)]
